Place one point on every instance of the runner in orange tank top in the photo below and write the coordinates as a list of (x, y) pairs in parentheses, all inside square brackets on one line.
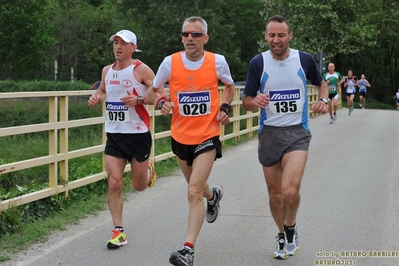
[(197, 114)]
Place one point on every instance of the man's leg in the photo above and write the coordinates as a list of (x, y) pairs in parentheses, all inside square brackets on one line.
[(196, 176), (335, 107), (330, 111), (273, 176), (293, 168), (197, 189), (141, 174), (115, 167)]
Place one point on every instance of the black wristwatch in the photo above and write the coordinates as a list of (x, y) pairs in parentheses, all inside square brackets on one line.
[(324, 100), (225, 107)]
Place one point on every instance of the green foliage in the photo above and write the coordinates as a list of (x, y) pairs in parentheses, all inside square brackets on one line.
[(359, 35), (41, 85), (227, 20), (362, 35), (25, 35), (12, 218)]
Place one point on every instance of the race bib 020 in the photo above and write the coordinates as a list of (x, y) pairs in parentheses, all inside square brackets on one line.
[(117, 112), (194, 103), (285, 101)]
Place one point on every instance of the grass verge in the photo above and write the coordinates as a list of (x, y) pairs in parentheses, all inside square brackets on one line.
[(38, 231)]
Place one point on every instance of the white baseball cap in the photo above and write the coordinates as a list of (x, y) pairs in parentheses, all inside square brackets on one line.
[(127, 36)]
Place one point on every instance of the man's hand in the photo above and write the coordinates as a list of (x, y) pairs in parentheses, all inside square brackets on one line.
[(94, 100), (320, 108), (261, 100), (129, 100), (223, 118)]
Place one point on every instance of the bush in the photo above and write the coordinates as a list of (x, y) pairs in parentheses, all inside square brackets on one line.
[(41, 85)]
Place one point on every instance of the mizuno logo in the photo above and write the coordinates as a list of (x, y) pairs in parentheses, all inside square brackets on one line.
[(194, 99), (288, 96), (111, 106)]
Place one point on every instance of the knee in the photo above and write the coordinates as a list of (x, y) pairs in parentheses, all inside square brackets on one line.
[(290, 193), (195, 194), (276, 199), (115, 185), (139, 186)]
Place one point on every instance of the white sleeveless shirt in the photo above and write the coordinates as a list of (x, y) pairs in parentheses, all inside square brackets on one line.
[(118, 117)]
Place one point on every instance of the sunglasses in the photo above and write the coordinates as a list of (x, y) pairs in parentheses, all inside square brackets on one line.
[(194, 34)]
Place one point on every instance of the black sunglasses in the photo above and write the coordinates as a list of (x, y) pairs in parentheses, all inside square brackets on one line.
[(194, 34)]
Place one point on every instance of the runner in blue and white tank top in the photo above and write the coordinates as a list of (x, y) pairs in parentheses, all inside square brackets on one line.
[(363, 85), (350, 85), (285, 83), (277, 84)]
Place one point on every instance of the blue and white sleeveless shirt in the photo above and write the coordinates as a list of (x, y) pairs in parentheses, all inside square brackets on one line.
[(285, 81)]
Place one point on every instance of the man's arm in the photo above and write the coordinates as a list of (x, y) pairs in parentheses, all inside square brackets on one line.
[(228, 93), (320, 107), (323, 90), (225, 106), (148, 77), (100, 94)]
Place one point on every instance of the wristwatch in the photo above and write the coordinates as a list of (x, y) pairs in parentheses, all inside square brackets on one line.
[(324, 100), (140, 100)]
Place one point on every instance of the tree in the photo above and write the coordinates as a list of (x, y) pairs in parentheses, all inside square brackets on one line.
[(233, 28), (25, 35)]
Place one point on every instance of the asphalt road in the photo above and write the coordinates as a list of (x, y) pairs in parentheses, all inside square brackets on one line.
[(349, 208)]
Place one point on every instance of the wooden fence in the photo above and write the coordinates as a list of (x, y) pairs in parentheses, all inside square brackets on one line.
[(59, 154)]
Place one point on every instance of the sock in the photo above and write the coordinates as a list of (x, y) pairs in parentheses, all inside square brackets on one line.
[(212, 200), (189, 246), (120, 228), (289, 227), (289, 231)]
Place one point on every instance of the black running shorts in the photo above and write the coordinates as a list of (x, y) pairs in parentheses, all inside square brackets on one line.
[(129, 146), (189, 152)]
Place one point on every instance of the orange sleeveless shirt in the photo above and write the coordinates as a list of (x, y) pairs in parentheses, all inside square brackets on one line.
[(196, 98)]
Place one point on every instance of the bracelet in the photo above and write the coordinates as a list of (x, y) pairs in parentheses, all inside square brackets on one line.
[(159, 102), (225, 107), (324, 100)]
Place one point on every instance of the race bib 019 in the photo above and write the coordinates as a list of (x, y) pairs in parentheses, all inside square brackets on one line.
[(194, 103), (285, 101), (117, 112)]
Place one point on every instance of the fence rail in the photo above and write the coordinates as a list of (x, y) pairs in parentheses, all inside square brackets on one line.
[(59, 154)]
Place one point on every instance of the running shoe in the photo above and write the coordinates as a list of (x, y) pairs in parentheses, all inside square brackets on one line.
[(292, 245), (360, 105), (118, 239), (280, 252), (212, 210), (335, 116), (153, 174), (363, 107), (331, 120), (183, 257), (350, 111)]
